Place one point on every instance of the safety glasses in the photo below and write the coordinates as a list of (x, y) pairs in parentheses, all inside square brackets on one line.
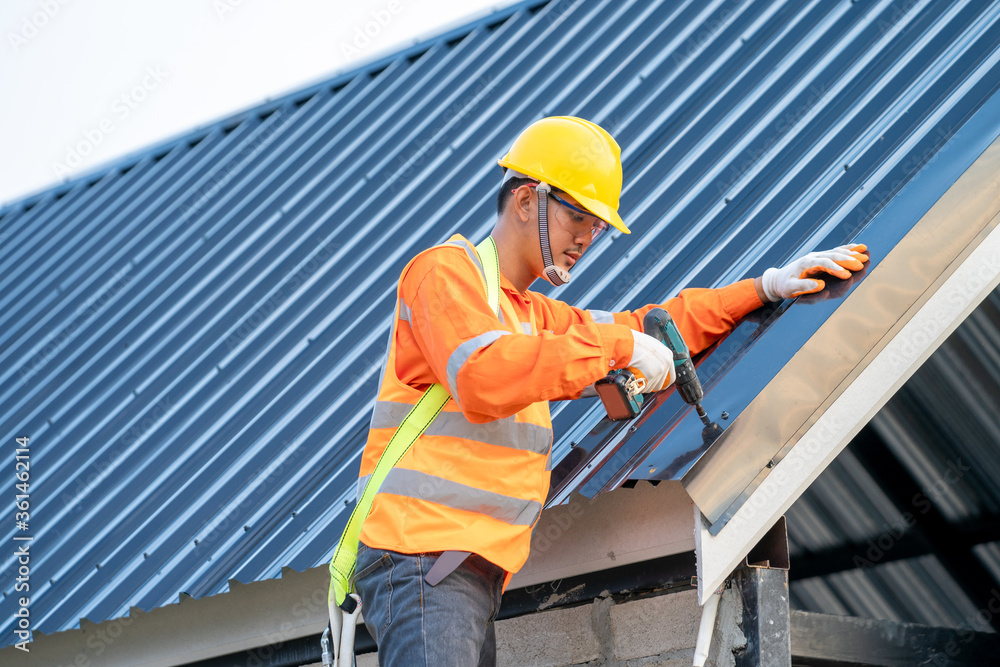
[(576, 220)]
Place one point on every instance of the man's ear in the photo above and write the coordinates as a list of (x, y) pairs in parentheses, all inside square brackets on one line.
[(522, 203)]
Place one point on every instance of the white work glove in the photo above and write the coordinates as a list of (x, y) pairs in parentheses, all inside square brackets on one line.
[(796, 278), (651, 361)]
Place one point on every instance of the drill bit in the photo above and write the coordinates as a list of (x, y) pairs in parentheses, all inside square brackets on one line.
[(704, 415)]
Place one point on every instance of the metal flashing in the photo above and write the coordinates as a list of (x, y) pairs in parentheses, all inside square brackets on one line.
[(866, 318), (950, 261)]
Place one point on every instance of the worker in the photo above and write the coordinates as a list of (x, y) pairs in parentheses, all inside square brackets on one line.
[(458, 508)]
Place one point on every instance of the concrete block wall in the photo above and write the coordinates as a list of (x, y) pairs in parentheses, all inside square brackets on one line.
[(657, 631)]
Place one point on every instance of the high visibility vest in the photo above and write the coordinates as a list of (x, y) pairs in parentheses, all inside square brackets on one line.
[(461, 486)]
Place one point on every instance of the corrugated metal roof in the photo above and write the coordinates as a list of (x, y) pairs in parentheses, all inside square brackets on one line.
[(918, 590), (191, 337), (946, 419), (856, 164)]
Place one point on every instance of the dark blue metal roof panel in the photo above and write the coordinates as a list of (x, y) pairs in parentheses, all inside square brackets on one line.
[(192, 336), (823, 219), (731, 386)]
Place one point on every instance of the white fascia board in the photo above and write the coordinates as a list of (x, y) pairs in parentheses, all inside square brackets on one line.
[(936, 319)]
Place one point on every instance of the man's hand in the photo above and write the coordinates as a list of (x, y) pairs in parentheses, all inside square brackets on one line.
[(798, 277), (651, 361)]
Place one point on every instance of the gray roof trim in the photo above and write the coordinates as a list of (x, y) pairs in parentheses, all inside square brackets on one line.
[(917, 296)]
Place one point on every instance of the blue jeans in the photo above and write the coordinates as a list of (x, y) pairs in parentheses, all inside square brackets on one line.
[(418, 625)]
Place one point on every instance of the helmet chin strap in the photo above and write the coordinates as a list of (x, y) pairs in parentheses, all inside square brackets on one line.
[(554, 274)]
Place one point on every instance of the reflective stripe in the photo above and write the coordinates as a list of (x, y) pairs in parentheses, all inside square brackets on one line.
[(602, 316), (506, 432), (345, 555), (469, 252), (464, 351), (488, 280), (526, 327), (405, 314), (420, 485), (388, 349), (487, 251), (548, 466), (361, 485)]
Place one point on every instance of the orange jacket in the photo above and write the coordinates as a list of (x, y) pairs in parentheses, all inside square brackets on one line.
[(477, 479)]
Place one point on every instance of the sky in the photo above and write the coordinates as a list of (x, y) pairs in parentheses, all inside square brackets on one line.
[(84, 82)]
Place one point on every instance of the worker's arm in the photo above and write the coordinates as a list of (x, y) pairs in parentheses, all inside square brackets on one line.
[(703, 315), (490, 371), (706, 315)]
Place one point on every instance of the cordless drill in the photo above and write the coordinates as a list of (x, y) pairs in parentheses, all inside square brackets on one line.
[(619, 390)]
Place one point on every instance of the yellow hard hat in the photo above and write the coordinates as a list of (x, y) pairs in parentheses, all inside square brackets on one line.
[(575, 156)]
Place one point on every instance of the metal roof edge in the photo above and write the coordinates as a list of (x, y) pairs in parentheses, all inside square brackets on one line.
[(966, 275), (587, 535), (572, 542), (896, 282), (270, 611), (268, 105)]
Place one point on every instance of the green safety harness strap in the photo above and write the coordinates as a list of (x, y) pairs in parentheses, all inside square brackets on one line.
[(416, 422), (487, 251)]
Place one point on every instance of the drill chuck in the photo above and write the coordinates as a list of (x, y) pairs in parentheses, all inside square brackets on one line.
[(687, 383)]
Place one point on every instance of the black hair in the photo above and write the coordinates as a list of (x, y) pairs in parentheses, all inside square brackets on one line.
[(506, 191)]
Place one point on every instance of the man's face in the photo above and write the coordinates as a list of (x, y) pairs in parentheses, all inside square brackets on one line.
[(571, 229)]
